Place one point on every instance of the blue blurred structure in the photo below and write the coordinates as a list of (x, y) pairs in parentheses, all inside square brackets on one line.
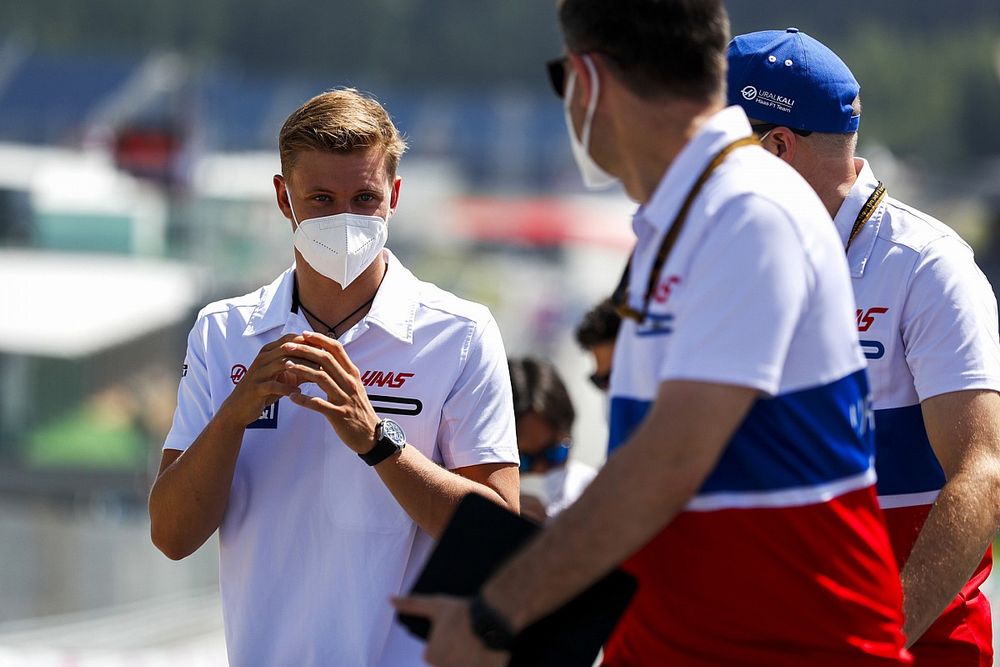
[(511, 137), (45, 98)]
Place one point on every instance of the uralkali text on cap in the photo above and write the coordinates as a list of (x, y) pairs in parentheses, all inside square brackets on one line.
[(789, 78)]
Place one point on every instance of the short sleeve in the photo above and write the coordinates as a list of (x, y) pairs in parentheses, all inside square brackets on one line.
[(477, 420), (949, 323), (741, 300), (193, 397)]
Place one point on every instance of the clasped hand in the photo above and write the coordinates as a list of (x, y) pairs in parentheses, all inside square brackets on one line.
[(294, 359)]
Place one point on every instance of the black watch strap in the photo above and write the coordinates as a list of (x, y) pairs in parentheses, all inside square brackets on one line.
[(490, 626), (386, 443)]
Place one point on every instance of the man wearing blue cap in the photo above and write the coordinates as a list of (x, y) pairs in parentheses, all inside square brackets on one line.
[(927, 319)]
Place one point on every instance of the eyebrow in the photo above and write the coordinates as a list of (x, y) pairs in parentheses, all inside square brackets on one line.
[(365, 187)]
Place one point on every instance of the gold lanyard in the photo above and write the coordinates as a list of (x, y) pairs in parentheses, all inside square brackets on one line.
[(620, 296), (866, 213)]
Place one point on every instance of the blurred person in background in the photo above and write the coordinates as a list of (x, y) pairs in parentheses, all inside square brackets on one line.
[(742, 497), (551, 479), (596, 334), (927, 319), (325, 508)]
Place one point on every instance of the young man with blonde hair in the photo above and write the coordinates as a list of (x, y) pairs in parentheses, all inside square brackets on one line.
[(328, 423)]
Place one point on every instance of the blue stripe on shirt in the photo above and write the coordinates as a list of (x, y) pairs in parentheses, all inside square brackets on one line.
[(799, 439), (904, 460)]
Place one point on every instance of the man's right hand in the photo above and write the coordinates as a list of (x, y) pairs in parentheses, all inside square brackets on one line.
[(188, 499), (264, 383)]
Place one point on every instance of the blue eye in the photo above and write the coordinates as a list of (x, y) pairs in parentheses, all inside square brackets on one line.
[(366, 197)]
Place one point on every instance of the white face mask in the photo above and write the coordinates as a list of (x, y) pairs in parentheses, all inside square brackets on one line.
[(340, 246), (594, 177)]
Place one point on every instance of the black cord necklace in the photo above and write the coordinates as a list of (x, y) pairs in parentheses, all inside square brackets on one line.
[(332, 330)]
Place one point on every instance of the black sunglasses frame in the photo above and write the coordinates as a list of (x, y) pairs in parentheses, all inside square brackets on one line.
[(600, 380), (556, 69), (761, 129)]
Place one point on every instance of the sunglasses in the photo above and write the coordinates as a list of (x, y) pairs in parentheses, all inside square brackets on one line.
[(601, 380), (760, 129), (555, 454), (557, 75)]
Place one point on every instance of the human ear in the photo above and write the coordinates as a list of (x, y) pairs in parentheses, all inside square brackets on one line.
[(281, 194), (783, 142), (394, 195)]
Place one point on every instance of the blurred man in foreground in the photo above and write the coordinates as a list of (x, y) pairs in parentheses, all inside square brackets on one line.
[(743, 496), (927, 319), (283, 440)]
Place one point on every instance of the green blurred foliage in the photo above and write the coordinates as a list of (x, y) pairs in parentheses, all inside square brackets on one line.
[(87, 438)]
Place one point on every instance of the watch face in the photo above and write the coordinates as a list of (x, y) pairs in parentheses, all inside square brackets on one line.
[(393, 432)]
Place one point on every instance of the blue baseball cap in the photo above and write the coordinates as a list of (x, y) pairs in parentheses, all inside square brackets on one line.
[(788, 78)]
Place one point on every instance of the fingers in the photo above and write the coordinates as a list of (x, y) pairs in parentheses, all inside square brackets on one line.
[(270, 360), (304, 373), (287, 338), (314, 403), (325, 361), (335, 348), (276, 390), (415, 605)]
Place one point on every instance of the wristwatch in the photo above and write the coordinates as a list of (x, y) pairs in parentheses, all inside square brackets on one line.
[(389, 439), (490, 626)]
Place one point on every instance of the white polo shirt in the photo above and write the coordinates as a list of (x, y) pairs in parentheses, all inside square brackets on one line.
[(927, 323), (312, 542), (756, 293)]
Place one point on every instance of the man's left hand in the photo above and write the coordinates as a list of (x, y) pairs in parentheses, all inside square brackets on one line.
[(451, 642), (323, 360)]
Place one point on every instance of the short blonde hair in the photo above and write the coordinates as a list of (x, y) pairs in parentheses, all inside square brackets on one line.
[(340, 121)]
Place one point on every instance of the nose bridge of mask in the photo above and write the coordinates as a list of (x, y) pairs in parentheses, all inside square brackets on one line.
[(348, 220)]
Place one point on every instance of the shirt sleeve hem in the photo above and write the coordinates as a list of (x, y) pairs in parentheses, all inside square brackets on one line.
[(177, 444), (481, 456), (963, 383), (762, 380)]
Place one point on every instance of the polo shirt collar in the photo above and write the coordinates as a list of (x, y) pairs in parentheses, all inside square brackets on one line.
[(864, 243), (716, 133), (393, 310), (656, 215), (273, 306)]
